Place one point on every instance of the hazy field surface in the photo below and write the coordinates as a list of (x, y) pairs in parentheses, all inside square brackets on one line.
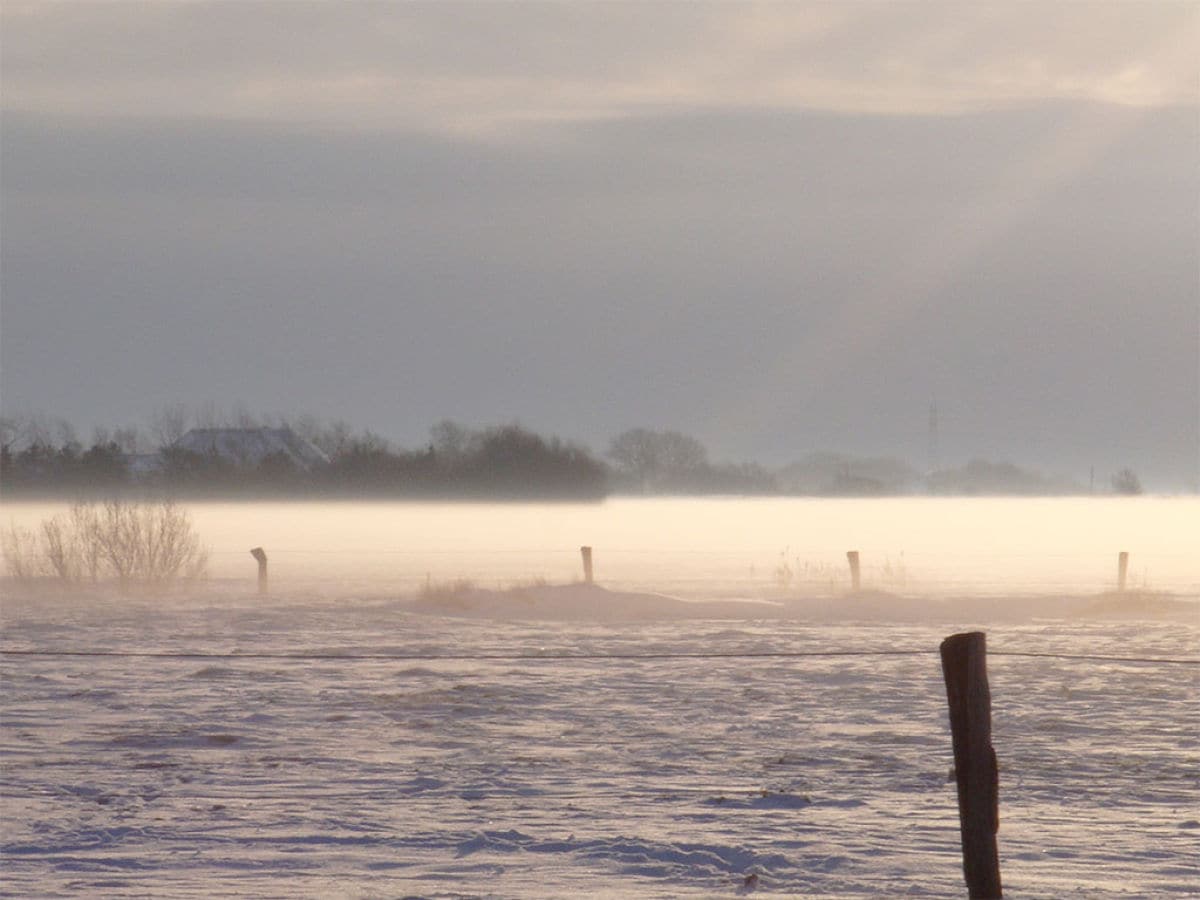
[(438, 774), (718, 547)]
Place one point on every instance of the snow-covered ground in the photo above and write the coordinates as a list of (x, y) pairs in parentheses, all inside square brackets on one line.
[(483, 740), (685, 773)]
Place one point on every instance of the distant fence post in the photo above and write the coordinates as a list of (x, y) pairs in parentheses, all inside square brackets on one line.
[(259, 554), (855, 572), (1122, 570), (964, 666), (586, 553)]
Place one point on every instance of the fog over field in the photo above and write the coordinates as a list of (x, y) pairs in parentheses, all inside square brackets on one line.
[(938, 549)]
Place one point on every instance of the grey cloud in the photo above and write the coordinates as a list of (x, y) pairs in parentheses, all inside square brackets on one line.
[(745, 277), (825, 158), (436, 64)]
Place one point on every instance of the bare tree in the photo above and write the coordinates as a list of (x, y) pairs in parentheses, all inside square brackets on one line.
[(169, 424), (64, 433), (27, 429), (207, 417), (243, 418), (129, 439), (451, 440), (10, 430), (657, 458)]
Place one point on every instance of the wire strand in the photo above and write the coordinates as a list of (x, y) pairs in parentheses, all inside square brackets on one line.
[(574, 657)]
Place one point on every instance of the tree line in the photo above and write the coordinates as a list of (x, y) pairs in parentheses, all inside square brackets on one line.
[(41, 455), (44, 456)]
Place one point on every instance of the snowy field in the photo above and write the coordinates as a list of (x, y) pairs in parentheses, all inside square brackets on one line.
[(442, 775), (331, 742)]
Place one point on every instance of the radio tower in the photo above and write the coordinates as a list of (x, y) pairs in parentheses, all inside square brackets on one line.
[(933, 460)]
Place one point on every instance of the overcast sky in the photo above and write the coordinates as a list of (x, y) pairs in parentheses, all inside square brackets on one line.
[(780, 228)]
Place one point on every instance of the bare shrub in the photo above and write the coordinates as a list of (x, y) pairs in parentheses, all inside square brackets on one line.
[(67, 548), (61, 549), (1126, 483), (23, 555), (446, 594), (437, 590), (138, 544)]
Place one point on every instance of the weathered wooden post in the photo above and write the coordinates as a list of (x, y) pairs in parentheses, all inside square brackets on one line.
[(964, 666), (855, 572), (586, 553), (1122, 570), (259, 554)]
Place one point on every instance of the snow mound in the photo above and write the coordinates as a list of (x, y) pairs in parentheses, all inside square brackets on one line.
[(1139, 605), (579, 601), (590, 602)]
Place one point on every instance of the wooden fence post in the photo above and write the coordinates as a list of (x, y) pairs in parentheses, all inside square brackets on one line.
[(855, 572), (964, 666), (1122, 570), (586, 553), (259, 554)]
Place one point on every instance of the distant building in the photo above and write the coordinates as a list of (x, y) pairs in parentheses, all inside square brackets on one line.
[(248, 447)]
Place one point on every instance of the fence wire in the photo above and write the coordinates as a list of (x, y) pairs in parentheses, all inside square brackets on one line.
[(578, 657)]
